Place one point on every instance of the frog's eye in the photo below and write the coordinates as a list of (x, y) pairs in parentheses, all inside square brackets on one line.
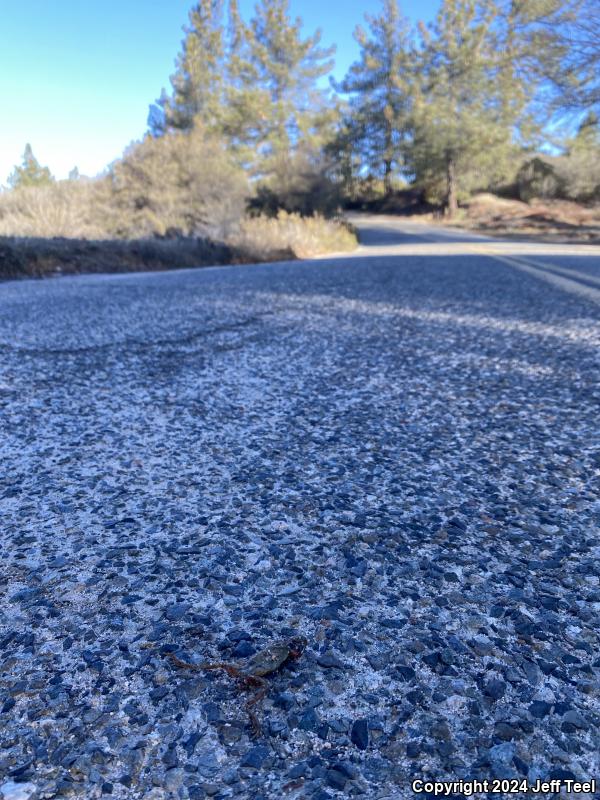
[(297, 646)]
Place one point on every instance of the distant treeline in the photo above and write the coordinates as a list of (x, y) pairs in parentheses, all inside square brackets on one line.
[(459, 105)]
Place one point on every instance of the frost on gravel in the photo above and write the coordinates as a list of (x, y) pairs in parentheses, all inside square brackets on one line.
[(406, 477)]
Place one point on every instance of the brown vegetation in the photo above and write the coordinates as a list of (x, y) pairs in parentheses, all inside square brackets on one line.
[(39, 257), (176, 201), (257, 239), (304, 236), (546, 220), (180, 182)]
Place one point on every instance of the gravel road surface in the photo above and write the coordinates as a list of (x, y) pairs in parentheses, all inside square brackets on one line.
[(395, 454)]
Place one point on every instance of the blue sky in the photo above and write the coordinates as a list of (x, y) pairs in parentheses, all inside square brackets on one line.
[(77, 77)]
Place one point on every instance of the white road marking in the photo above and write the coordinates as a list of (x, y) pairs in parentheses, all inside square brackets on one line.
[(566, 284), (569, 273)]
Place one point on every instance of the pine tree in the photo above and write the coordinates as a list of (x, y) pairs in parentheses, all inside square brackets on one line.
[(197, 83), (528, 40), (299, 116), (379, 83), (345, 152), (244, 100), (461, 134), (30, 172), (581, 57), (557, 51), (255, 86)]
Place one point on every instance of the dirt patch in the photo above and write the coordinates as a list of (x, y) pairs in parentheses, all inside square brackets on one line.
[(542, 220)]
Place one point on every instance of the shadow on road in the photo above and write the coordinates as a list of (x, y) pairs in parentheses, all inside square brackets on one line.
[(379, 235), (518, 287)]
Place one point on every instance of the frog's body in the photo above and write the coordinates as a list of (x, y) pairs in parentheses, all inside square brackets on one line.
[(252, 675), (274, 657)]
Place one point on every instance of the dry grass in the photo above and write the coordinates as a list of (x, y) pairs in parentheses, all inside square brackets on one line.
[(75, 209), (304, 237), (117, 225), (55, 237), (177, 183)]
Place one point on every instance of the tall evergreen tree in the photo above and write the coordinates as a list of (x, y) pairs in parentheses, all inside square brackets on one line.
[(30, 172), (299, 114), (244, 99), (572, 63), (253, 84), (198, 81), (460, 119), (380, 88), (555, 48), (530, 45)]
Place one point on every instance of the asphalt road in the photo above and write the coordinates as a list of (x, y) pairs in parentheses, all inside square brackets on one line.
[(395, 454)]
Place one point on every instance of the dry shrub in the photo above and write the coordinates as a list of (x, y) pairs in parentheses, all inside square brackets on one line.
[(580, 171), (183, 182), (302, 236), (173, 201), (490, 205), (73, 209), (573, 176), (299, 185)]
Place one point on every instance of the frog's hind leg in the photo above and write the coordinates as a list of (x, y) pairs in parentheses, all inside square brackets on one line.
[(256, 698), (244, 681)]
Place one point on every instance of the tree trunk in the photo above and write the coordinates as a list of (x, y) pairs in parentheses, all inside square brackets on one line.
[(451, 197), (387, 178), (388, 157)]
